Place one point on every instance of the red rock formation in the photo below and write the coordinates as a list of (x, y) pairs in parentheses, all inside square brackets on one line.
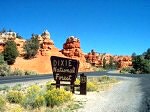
[(124, 61), (72, 49), (96, 59), (46, 44), (20, 44), (4, 37)]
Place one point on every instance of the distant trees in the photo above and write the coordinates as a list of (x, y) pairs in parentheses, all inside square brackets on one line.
[(147, 54), (104, 63), (141, 63), (10, 52), (111, 65), (3, 30), (31, 47), (18, 36)]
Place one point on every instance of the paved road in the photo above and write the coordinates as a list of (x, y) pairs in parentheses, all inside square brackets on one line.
[(13, 79)]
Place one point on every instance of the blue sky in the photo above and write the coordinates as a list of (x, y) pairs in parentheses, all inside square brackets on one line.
[(108, 26)]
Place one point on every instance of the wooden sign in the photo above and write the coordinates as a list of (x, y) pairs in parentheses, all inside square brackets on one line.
[(64, 69)]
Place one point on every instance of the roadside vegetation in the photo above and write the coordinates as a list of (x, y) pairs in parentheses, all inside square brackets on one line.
[(141, 64), (45, 98), (5, 70)]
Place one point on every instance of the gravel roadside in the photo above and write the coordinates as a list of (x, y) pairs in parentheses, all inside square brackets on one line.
[(126, 96)]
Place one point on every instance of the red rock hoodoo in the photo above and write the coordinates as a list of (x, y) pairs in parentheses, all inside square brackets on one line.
[(72, 49)]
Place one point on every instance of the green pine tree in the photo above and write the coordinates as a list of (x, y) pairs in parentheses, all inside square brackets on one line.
[(31, 47), (10, 52)]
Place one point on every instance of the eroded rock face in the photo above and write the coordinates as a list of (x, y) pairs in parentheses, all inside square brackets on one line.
[(4, 37), (20, 44), (96, 59), (124, 61), (46, 44), (72, 49)]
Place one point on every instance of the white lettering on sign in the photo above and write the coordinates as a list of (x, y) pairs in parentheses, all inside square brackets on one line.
[(62, 63), (64, 70), (65, 78)]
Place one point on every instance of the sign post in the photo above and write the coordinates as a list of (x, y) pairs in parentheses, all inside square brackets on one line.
[(83, 84)]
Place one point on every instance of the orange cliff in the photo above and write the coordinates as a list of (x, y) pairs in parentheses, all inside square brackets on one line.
[(96, 59)]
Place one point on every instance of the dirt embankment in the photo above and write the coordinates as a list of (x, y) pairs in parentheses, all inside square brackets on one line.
[(41, 64)]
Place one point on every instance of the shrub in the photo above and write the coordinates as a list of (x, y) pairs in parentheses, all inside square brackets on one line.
[(2, 103), (91, 86), (127, 70), (31, 48), (39, 101), (33, 101), (5, 70), (34, 89), (49, 86), (77, 82), (18, 72), (14, 96), (57, 97), (5, 88), (34, 97), (17, 87), (30, 73), (16, 108), (10, 52), (1, 59), (104, 78), (132, 71)]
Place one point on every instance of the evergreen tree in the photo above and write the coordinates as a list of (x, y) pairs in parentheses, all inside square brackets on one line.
[(18, 36), (111, 63), (1, 59), (133, 55), (3, 30), (31, 48), (10, 52), (141, 64), (104, 63), (147, 54)]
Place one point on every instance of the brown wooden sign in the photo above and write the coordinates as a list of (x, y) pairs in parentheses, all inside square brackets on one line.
[(64, 69)]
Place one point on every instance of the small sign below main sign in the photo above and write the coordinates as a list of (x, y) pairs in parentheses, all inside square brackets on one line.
[(64, 69)]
